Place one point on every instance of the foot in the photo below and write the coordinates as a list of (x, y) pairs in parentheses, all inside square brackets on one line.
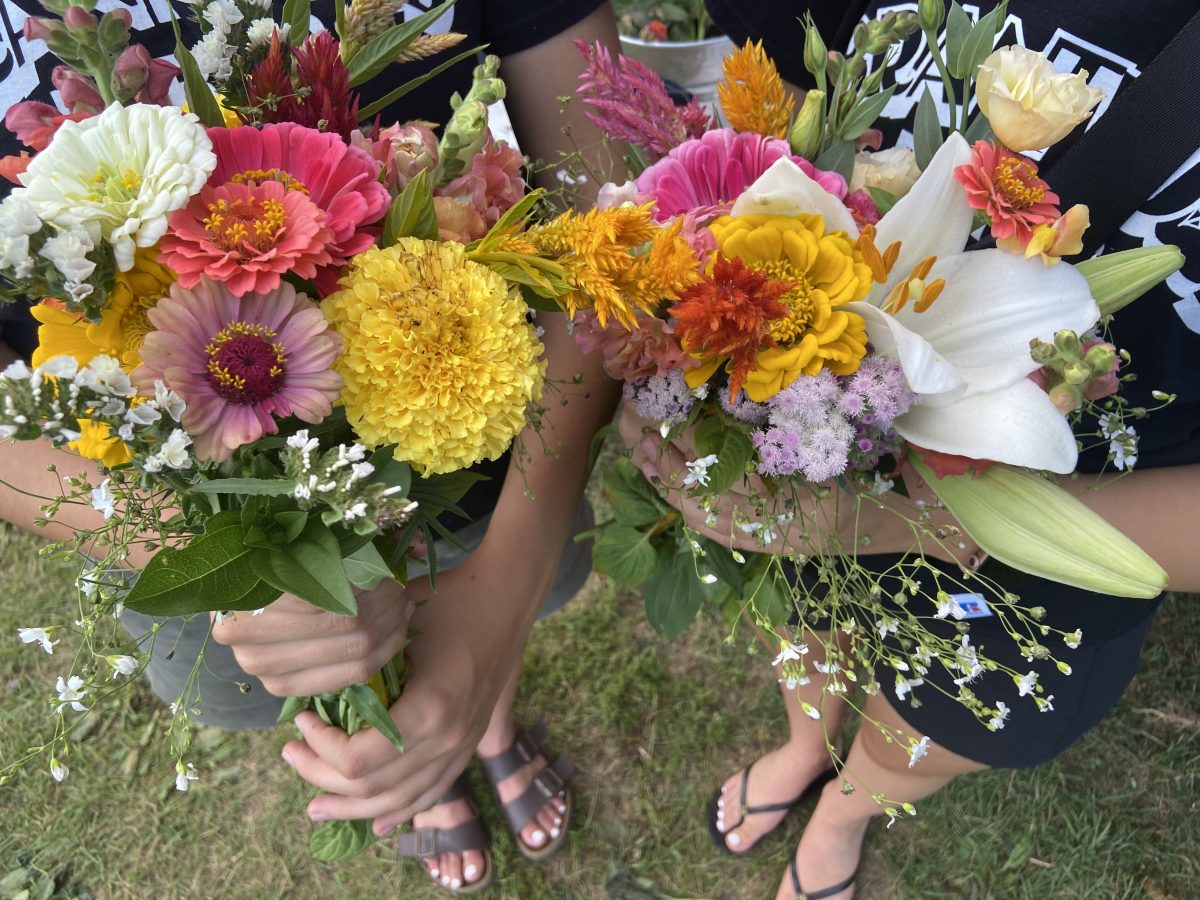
[(778, 777), (452, 870), (828, 853), (547, 824)]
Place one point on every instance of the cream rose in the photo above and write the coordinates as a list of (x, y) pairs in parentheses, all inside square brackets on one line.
[(894, 170), (1028, 104)]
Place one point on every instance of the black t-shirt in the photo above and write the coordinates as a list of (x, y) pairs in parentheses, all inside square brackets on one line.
[(1161, 330)]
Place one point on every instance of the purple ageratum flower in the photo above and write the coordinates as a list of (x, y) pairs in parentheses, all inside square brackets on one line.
[(881, 385), (661, 398), (629, 102), (706, 174), (807, 399), (744, 409), (818, 453)]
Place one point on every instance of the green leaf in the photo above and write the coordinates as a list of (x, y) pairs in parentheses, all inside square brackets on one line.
[(438, 493), (597, 444), (927, 130), (733, 449), (366, 567), (980, 129), (309, 567), (297, 14), (200, 98), (364, 701), (513, 216), (255, 487), (411, 214), (340, 839), (674, 595), (770, 599), (292, 521), (378, 106), (837, 157), (379, 52), (720, 560), (211, 572), (633, 500), (977, 44), (884, 200), (958, 26), (1033, 525), (292, 707), (625, 554), (864, 114)]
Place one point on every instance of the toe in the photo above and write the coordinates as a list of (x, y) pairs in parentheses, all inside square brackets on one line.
[(737, 841), (453, 873), (534, 835), (432, 867), (473, 866), (546, 818)]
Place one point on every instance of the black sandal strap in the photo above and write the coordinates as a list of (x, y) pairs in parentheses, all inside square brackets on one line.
[(746, 810), (526, 746), (427, 843), (548, 784), (816, 895)]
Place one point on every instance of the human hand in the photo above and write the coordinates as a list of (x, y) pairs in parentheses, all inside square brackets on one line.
[(458, 662), (296, 649)]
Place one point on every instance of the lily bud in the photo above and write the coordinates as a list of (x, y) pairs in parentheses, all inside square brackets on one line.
[(1117, 279), (78, 17), (816, 54), (805, 133), (1067, 343), (931, 14)]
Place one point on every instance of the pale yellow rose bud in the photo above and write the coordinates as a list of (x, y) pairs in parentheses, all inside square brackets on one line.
[(894, 170), (1028, 104)]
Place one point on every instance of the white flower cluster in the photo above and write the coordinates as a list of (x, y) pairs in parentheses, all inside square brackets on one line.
[(1122, 441), (214, 52), (18, 220), (51, 399), (340, 478)]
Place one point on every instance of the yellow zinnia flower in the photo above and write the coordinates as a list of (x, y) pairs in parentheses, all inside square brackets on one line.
[(439, 357), (826, 270), (752, 94), (96, 441), (123, 323)]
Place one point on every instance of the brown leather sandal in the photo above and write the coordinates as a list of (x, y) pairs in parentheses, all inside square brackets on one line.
[(551, 781), (430, 843)]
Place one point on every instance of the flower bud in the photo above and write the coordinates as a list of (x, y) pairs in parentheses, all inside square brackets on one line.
[(78, 17), (78, 93), (1042, 352), (816, 54), (834, 65), (1117, 279), (1076, 373), (1101, 358), (1065, 397), (158, 82), (132, 70), (931, 14), (37, 29), (1067, 343), (114, 28), (805, 134)]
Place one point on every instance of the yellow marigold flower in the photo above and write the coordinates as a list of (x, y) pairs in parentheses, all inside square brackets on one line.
[(602, 254), (439, 357), (827, 271), (123, 323), (752, 94), (96, 441)]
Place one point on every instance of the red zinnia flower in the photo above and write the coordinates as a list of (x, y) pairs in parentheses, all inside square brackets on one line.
[(728, 315)]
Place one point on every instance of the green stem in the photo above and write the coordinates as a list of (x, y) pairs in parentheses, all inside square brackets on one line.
[(951, 97)]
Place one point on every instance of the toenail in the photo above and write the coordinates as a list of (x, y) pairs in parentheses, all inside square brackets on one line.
[(538, 836), (470, 872), (557, 821), (554, 832), (735, 839), (434, 873), (456, 883), (445, 881), (721, 803)]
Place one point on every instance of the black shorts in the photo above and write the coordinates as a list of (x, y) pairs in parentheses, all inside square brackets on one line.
[(1102, 667)]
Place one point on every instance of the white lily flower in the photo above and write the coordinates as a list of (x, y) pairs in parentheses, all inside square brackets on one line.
[(966, 355)]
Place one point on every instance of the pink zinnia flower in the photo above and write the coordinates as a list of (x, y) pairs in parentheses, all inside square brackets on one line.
[(1006, 186), (240, 362), (650, 349), (708, 173), (342, 181), (247, 236)]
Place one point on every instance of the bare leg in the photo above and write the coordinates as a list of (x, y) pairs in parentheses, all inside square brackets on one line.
[(785, 772), (457, 869), (831, 845)]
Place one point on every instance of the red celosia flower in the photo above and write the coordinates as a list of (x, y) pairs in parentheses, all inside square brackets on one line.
[(329, 106), (1006, 186), (728, 315), (269, 87)]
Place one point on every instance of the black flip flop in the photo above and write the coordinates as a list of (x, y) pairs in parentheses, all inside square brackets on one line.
[(718, 836)]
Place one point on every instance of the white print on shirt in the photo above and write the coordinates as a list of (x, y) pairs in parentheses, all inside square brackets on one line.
[(416, 8)]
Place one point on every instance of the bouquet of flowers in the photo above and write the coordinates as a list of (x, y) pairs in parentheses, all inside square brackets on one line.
[(282, 337), (848, 332)]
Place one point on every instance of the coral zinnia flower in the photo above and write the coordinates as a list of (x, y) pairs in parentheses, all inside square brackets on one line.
[(123, 322), (240, 362), (1006, 186), (752, 94), (342, 181), (440, 359), (247, 236), (728, 316), (708, 173)]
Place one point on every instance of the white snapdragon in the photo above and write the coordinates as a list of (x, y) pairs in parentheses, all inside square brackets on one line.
[(103, 500), (168, 401), (37, 635), (18, 220)]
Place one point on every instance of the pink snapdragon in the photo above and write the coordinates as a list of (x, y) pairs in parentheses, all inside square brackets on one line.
[(649, 350)]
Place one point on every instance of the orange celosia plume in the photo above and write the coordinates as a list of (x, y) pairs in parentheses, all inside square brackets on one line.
[(752, 93)]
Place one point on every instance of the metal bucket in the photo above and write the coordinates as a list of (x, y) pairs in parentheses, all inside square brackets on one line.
[(693, 65)]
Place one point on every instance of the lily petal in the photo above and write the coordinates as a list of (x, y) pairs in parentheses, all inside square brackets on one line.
[(784, 190), (1016, 425), (993, 304), (932, 219), (927, 371)]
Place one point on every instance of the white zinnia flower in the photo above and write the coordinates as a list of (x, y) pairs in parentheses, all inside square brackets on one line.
[(39, 635), (121, 172), (966, 357)]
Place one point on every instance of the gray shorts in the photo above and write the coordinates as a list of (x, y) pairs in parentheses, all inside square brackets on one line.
[(219, 693)]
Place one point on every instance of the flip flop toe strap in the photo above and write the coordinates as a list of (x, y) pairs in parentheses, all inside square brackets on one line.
[(817, 895)]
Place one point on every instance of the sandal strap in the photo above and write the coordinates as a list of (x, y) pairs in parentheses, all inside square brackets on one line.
[(526, 746), (824, 892), (550, 782), (425, 843), (747, 810)]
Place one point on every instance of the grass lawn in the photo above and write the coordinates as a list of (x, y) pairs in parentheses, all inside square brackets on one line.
[(653, 728)]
